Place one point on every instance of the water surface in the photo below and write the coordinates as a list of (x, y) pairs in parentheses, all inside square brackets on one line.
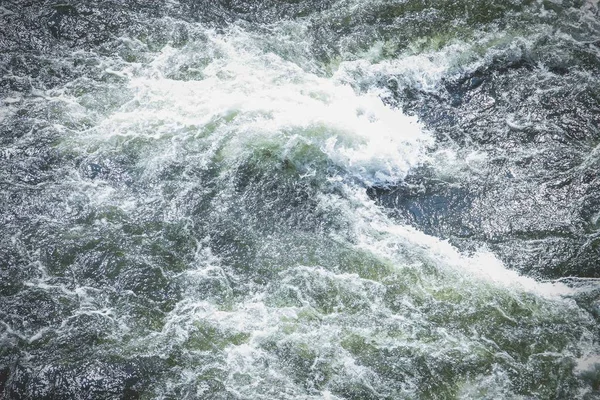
[(351, 199)]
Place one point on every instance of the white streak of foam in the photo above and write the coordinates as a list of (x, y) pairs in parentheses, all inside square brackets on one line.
[(384, 237)]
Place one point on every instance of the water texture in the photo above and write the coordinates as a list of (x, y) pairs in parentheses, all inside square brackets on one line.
[(337, 199)]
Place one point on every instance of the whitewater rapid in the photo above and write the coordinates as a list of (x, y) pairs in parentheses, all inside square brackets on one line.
[(201, 210)]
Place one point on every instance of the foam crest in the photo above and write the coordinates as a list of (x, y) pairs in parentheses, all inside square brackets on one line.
[(248, 96)]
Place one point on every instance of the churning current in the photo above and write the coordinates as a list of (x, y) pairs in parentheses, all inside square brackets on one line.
[(300, 199)]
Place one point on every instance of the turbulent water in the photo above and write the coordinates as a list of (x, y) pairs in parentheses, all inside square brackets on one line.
[(300, 199)]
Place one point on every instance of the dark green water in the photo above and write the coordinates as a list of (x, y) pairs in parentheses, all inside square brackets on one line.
[(347, 199)]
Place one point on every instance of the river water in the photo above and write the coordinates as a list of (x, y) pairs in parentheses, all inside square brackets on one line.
[(299, 199)]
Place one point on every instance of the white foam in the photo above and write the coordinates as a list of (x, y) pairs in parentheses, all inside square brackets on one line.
[(267, 99), (382, 236), (588, 362)]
